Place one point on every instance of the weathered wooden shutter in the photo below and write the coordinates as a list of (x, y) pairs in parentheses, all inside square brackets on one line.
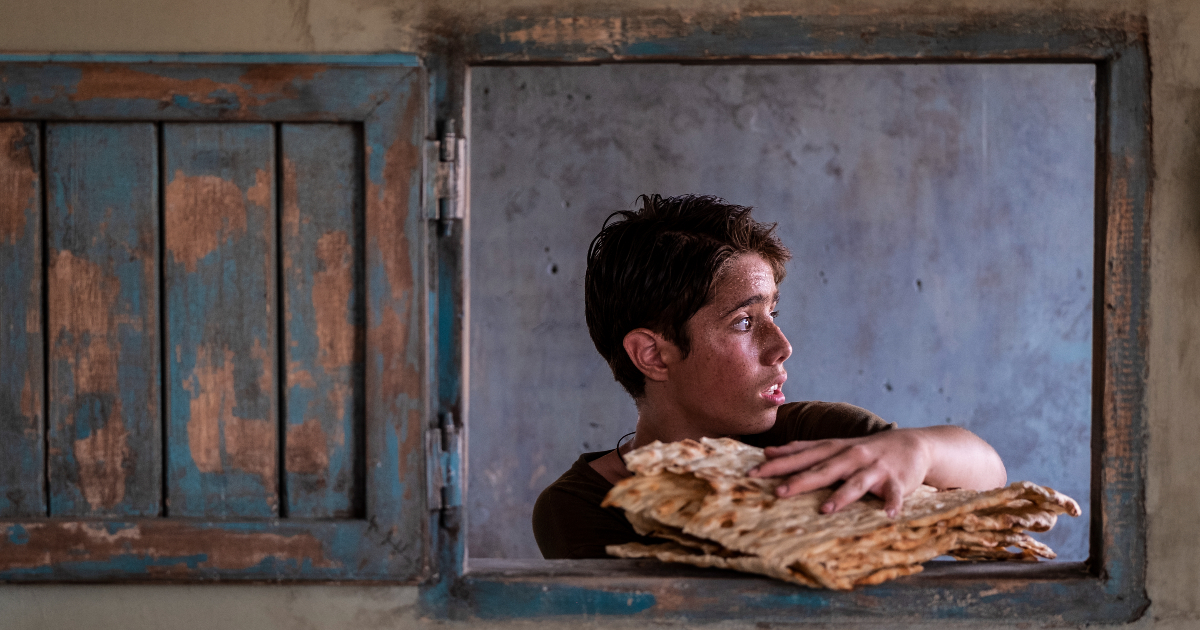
[(211, 321)]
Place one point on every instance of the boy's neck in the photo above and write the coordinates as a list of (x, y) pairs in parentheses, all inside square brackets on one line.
[(654, 423), (662, 422)]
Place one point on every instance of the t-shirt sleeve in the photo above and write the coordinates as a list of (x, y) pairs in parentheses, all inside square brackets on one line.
[(814, 420)]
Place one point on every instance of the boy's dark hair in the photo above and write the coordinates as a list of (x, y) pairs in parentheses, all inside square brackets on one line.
[(656, 267)]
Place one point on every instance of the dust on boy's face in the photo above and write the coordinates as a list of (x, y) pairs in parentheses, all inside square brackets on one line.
[(731, 381)]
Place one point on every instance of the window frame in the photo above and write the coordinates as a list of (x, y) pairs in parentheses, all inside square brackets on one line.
[(1109, 587), (384, 95)]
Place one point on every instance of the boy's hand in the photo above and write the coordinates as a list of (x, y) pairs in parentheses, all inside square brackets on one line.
[(890, 465)]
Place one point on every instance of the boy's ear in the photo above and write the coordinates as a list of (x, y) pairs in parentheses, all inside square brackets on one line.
[(650, 352)]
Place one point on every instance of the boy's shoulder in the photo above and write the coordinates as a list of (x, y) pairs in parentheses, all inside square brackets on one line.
[(568, 521), (818, 420)]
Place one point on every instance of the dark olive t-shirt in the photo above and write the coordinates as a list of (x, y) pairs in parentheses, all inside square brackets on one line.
[(568, 521)]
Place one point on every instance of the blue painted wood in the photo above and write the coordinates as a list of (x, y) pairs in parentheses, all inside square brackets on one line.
[(192, 92), (561, 38), (102, 285), (55, 550), (385, 541), (387, 60), (395, 357), (699, 596), (22, 452), (220, 276), (321, 241), (1120, 432)]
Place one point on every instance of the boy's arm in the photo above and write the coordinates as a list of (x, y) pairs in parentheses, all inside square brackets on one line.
[(890, 464)]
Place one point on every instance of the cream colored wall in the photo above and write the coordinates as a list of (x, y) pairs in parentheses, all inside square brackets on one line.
[(1173, 502)]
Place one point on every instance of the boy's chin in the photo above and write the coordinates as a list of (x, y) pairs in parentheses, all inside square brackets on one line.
[(762, 422)]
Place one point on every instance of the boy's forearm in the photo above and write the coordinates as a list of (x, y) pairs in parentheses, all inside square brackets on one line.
[(888, 464), (960, 459)]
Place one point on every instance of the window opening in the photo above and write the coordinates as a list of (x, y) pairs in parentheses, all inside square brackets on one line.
[(941, 219)]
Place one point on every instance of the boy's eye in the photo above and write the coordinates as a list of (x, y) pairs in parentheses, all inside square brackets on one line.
[(743, 323), (774, 314)]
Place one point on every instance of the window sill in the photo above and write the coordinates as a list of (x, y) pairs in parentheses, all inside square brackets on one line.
[(650, 589)]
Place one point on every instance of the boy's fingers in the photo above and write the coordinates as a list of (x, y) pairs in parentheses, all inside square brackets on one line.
[(819, 476), (787, 464), (893, 497), (851, 491), (790, 448)]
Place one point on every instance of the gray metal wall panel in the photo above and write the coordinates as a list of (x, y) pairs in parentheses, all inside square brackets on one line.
[(941, 219)]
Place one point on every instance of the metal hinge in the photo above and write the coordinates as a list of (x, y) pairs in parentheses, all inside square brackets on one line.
[(449, 178), (443, 465)]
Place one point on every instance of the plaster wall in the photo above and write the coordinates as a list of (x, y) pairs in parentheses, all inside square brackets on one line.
[(390, 25)]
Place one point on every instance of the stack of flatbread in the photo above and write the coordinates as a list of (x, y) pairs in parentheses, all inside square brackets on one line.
[(697, 496)]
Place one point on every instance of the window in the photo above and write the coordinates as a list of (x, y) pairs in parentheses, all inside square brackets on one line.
[(211, 319), (108, 160), (940, 218), (1107, 587)]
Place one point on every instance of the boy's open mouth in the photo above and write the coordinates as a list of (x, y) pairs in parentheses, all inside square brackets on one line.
[(774, 393)]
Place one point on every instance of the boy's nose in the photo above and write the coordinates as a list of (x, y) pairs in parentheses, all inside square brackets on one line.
[(776, 348)]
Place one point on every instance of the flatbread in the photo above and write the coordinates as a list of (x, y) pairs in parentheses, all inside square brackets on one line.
[(697, 495)]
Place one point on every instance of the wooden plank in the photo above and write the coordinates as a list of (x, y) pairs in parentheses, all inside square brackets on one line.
[(568, 37), (281, 90), (321, 241), (184, 549), (395, 357), (104, 434), (1120, 432), (22, 455), (219, 238)]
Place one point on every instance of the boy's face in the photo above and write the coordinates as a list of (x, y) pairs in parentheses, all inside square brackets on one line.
[(731, 381)]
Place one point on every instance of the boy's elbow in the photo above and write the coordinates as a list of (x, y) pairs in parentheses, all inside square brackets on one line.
[(993, 473), (1000, 472), (988, 470)]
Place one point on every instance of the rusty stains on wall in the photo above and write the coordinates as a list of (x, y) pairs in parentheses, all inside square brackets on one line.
[(18, 180), (202, 212)]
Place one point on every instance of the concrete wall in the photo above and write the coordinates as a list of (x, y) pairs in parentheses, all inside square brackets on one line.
[(387, 25)]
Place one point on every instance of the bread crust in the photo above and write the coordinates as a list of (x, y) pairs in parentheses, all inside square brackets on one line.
[(696, 495)]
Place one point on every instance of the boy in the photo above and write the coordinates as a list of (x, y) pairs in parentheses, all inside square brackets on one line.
[(680, 300)]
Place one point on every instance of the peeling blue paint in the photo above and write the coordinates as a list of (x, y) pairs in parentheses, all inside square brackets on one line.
[(17, 535), (370, 94), (381, 59), (492, 600)]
